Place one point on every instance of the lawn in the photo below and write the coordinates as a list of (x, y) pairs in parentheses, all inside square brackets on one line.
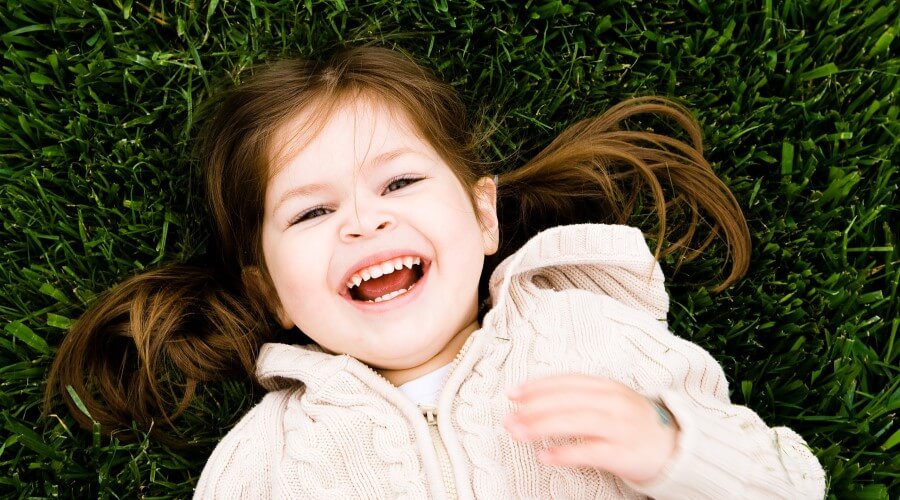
[(797, 100)]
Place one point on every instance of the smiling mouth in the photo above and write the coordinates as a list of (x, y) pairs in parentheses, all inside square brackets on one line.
[(387, 280)]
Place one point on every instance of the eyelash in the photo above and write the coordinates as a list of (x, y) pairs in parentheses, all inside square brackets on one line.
[(409, 179)]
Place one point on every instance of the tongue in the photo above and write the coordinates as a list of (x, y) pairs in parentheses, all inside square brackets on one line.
[(376, 287)]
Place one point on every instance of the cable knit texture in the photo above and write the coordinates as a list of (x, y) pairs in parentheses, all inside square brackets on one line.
[(575, 299)]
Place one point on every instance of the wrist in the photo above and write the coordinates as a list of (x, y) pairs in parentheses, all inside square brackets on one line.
[(668, 436)]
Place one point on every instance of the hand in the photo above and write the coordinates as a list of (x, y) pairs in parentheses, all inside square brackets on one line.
[(621, 431)]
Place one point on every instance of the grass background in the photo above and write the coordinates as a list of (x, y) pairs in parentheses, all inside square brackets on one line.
[(798, 101)]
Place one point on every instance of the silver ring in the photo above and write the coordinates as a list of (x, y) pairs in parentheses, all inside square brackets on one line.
[(665, 416)]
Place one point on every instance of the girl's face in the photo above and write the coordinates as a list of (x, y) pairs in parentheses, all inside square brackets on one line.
[(374, 247)]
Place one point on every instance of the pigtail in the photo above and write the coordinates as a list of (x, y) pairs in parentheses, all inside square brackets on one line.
[(598, 171), (142, 349)]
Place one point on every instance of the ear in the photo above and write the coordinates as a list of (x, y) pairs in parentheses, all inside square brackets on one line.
[(261, 288), (486, 211)]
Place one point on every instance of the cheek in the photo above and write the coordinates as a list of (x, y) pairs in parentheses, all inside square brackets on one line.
[(452, 207), (462, 218), (299, 270), (456, 230)]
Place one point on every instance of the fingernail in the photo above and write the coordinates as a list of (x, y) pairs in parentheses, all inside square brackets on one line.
[(515, 428), (513, 392)]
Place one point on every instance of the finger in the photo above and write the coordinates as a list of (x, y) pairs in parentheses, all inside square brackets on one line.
[(578, 423), (566, 400), (562, 382), (595, 454), (616, 459)]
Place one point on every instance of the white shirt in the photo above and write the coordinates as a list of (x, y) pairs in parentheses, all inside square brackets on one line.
[(424, 391)]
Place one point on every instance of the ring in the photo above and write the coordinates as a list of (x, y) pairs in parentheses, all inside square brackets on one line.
[(665, 416)]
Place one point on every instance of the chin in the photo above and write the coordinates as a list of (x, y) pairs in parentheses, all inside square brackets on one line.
[(403, 362)]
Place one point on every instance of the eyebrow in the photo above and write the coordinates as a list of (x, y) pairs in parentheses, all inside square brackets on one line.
[(309, 189)]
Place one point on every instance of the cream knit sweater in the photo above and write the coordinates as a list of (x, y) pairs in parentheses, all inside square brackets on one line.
[(585, 299)]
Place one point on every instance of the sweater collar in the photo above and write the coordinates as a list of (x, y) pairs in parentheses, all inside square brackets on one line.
[(281, 365)]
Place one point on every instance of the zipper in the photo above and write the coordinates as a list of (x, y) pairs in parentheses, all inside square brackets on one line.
[(460, 354), (430, 413)]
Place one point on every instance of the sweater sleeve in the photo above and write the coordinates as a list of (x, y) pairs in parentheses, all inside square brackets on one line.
[(724, 450), (242, 464)]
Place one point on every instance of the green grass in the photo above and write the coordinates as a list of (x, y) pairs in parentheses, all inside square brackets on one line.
[(799, 105)]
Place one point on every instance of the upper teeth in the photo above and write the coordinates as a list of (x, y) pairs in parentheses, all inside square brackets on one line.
[(379, 270)]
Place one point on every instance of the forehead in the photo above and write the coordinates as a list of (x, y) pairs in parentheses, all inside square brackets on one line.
[(347, 130)]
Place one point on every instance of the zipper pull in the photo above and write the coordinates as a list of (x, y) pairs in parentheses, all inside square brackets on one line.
[(430, 413)]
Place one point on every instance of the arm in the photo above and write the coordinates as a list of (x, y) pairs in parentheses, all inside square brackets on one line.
[(241, 465), (603, 282), (713, 450)]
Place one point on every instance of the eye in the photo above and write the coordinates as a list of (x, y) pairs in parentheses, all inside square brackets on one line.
[(401, 183), (312, 213)]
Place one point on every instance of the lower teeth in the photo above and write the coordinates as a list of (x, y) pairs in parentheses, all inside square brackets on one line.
[(393, 294)]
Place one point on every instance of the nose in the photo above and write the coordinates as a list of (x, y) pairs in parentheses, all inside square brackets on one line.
[(365, 224)]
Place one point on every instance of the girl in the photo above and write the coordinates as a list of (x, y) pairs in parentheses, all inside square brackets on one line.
[(351, 205)]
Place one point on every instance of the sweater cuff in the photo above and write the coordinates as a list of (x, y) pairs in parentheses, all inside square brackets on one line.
[(710, 459)]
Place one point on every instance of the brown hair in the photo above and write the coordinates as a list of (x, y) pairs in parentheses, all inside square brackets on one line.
[(142, 348)]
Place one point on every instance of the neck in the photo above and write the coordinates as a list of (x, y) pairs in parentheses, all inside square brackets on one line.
[(446, 356)]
